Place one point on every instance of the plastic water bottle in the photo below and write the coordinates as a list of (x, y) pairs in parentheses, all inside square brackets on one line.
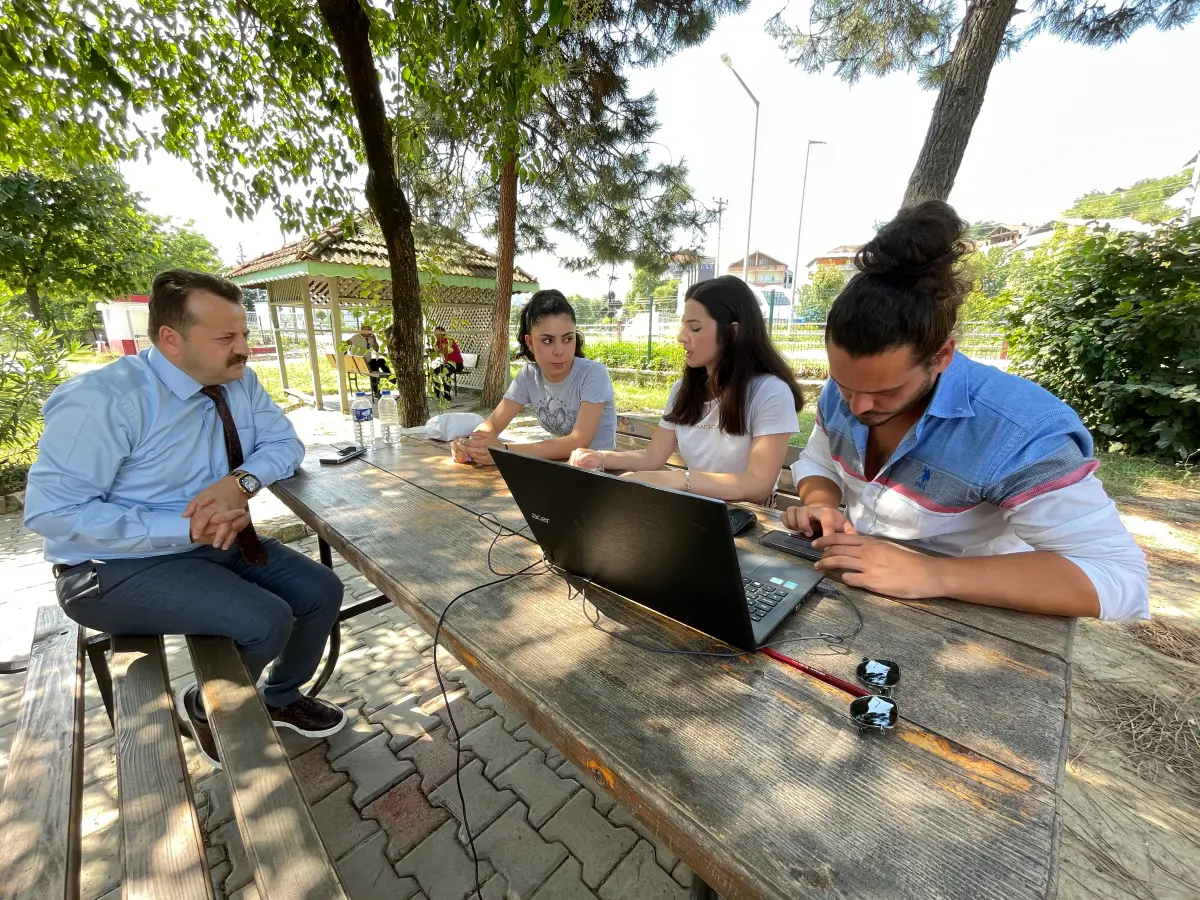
[(389, 419), (364, 420)]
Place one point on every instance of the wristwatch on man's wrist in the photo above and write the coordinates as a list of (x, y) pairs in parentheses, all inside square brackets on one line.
[(249, 484)]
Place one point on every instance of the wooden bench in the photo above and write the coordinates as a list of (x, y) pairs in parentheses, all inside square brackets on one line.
[(162, 846), (356, 366), (635, 432)]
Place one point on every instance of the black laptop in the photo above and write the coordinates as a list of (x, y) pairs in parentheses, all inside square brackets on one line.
[(664, 549)]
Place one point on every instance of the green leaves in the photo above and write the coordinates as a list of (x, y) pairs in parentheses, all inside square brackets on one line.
[(67, 242), (1110, 322)]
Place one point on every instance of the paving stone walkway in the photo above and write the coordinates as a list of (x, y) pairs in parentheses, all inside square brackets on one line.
[(383, 790)]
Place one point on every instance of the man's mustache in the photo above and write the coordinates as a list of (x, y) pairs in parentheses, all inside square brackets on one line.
[(236, 358)]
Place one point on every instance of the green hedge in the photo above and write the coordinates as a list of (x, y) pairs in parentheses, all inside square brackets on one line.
[(1110, 322), (666, 357)]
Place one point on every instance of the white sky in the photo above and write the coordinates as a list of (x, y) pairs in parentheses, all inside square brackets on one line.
[(1059, 120)]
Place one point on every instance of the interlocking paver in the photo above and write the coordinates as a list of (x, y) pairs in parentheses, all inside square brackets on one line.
[(356, 732), (683, 874), (442, 867), (406, 815), (593, 840), (639, 877), (511, 720), (484, 802), (316, 776), (425, 685), (339, 822), (368, 875), (667, 858), (377, 689), (476, 689), (467, 716), (241, 873), (538, 786), (374, 769), (215, 789), (495, 746), (404, 721), (435, 757), (604, 802), (565, 884), (518, 852), (531, 734)]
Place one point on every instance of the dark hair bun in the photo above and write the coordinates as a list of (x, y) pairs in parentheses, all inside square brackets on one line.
[(920, 248)]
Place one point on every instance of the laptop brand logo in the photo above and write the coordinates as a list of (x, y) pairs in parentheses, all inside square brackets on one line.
[(541, 518)]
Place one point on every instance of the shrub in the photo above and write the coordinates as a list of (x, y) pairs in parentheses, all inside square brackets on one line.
[(31, 366), (1110, 322), (666, 357)]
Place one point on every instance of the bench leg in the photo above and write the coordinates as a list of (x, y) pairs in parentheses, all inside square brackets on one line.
[(335, 637), (701, 891), (97, 651)]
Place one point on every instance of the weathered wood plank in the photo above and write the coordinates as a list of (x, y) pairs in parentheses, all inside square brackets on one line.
[(43, 791), (162, 847), (746, 768), (290, 860)]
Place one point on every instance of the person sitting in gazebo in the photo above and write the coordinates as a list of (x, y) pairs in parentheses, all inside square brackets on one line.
[(449, 364), (366, 344)]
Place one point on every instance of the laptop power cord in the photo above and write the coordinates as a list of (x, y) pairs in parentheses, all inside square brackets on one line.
[(543, 566)]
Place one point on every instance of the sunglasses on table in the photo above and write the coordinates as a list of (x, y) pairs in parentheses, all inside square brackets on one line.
[(876, 711)]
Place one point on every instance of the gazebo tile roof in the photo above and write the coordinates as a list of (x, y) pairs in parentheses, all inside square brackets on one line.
[(364, 247)]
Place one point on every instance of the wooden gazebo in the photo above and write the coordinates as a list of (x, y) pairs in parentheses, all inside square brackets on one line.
[(342, 270)]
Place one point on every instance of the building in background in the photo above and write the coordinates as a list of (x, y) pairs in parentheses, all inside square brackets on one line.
[(126, 323), (704, 268), (765, 272), (841, 258)]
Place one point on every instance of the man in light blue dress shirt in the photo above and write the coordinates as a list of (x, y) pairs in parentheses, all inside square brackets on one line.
[(141, 491)]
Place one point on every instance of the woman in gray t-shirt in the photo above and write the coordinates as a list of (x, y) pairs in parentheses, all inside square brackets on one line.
[(572, 396)]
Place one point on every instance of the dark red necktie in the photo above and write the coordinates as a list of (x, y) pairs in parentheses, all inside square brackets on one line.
[(252, 549)]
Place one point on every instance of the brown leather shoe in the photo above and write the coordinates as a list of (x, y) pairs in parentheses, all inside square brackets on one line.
[(190, 709), (309, 716)]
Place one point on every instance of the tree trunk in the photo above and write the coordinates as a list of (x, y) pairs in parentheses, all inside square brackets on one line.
[(496, 378), (34, 300), (959, 100), (349, 26)]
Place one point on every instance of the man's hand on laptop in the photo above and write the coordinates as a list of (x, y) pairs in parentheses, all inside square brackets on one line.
[(878, 566), (810, 520)]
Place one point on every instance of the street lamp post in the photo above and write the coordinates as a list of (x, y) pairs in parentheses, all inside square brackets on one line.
[(799, 227), (753, 163)]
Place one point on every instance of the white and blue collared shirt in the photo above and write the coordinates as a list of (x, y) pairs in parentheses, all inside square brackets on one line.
[(996, 464), (128, 446)]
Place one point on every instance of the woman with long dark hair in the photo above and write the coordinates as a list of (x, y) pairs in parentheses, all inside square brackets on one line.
[(571, 395), (733, 411)]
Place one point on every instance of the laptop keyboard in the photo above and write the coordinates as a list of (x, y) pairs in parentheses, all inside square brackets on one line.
[(763, 597)]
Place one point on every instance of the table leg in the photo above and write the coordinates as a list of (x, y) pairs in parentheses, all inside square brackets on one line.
[(97, 651), (701, 891), (326, 552)]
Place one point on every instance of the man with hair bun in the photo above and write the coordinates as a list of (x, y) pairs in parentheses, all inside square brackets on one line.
[(922, 445)]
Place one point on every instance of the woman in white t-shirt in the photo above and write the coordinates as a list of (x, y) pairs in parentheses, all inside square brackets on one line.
[(572, 396), (730, 415)]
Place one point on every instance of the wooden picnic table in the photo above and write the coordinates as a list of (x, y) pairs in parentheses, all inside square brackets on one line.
[(748, 769)]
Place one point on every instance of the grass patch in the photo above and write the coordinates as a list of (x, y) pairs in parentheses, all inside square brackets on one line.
[(299, 377), (1140, 476)]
